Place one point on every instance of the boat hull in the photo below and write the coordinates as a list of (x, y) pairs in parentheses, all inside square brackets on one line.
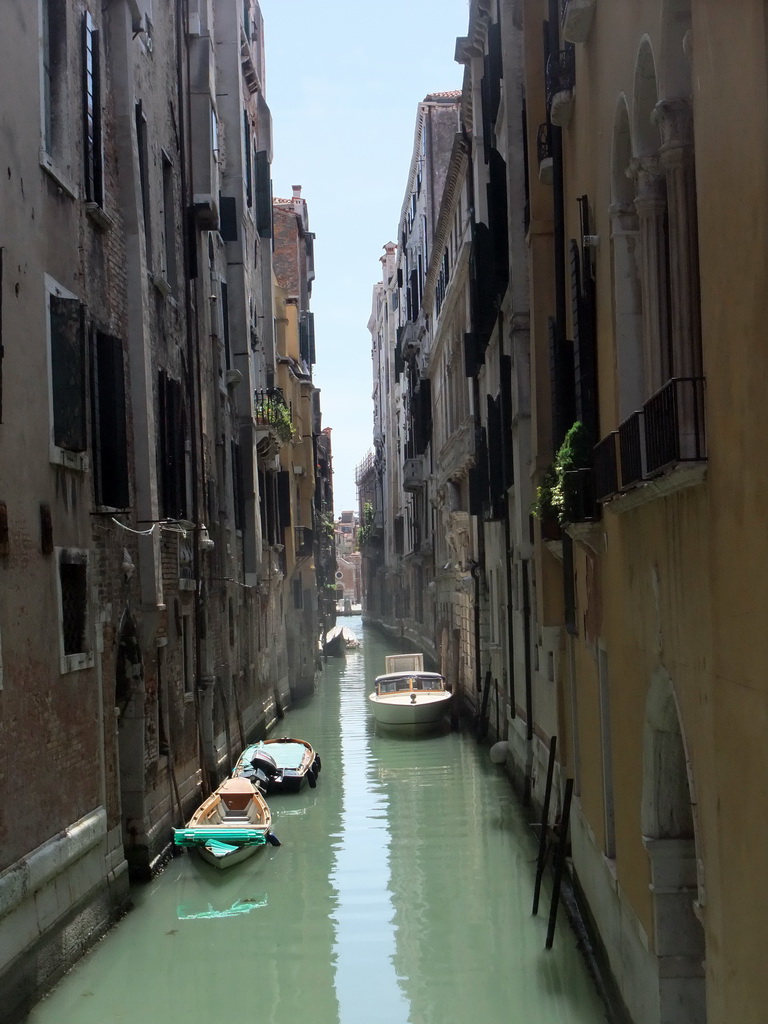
[(229, 826), (297, 761), (428, 710), (229, 860)]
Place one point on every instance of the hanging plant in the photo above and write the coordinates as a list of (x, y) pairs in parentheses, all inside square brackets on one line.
[(574, 453), (365, 531), (276, 414)]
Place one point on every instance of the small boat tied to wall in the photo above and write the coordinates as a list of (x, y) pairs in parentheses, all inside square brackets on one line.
[(230, 825), (407, 695), (338, 641), (281, 765)]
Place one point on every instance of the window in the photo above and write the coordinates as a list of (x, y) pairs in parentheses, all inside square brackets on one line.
[(187, 643), (94, 168), (110, 448), (2, 251), (66, 349), (169, 225), (248, 150), (142, 143), (214, 134), (74, 647), (172, 454), (54, 71)]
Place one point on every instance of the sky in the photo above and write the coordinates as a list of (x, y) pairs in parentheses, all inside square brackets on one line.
[(343, 81)]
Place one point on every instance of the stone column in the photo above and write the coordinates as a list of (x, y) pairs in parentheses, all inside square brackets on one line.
[(627, 297), (651, 207), (674, 119)]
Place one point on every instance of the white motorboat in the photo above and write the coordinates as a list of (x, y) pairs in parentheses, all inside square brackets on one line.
[(407, 695)]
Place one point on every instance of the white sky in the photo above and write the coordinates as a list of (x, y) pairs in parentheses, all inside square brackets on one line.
[(343, 80)]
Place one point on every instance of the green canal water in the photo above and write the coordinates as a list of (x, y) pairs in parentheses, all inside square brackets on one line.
[(401, 894)]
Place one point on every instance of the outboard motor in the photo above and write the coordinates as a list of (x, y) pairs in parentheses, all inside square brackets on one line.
[(266, 764)]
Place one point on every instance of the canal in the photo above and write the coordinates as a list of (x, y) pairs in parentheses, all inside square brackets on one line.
[(401, 894)]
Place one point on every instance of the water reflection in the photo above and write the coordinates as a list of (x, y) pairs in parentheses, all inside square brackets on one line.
[(401, 895)]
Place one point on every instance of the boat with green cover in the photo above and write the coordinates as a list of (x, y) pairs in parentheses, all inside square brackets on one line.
[(230, 825), (280, 765)]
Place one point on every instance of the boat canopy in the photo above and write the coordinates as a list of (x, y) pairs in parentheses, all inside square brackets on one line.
[(403, 683)]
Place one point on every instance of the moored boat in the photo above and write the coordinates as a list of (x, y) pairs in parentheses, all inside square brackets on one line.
[(407, 695), (334, 645), (281, 765), (230, 825)]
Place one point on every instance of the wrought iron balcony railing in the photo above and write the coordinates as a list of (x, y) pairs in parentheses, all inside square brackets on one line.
[(579, 502), (667, 431), (270, 410), (674, 424), (632, 449), (544, 142), (304, 540), (560, 73), (606, 466)]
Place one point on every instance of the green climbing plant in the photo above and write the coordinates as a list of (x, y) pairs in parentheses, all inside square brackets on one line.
[(277, 415), (365, 530), (574, 453)]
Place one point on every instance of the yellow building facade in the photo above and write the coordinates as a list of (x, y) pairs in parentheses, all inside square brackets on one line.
[(653, 116)]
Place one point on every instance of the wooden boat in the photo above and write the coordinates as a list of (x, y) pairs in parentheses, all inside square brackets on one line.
[(230, 825), (407, 695), (338, 641), (334, 645), (281, 765)]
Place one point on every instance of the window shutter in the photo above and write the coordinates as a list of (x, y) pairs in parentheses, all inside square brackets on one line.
[(172, 448), (68, 373), (263, 195), (284, 499), (495, 458), (228, 218), (423, 415), (225, 323), (470, 356), (584, 339), (2, 352), (237, 486), (94, 178), (248, 149), (506, 421), (110, 449)]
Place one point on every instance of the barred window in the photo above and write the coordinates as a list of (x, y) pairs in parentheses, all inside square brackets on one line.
[(74, 645)]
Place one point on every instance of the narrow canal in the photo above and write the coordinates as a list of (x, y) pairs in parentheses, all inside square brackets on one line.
[(401, 894)]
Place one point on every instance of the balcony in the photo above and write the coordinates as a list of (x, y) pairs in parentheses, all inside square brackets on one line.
[(273, 418), (632, 449), (560, 83), (544, 153), (577, 20), (410, 339), (657, 450), (606, 467), (250, 71), (674, 424), (579, 502), (413, 474), (304, 539)]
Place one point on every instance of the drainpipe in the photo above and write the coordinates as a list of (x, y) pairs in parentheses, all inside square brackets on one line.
[(477, 569), (556, 143), (206, 679), (528, 674), (510, 610)]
